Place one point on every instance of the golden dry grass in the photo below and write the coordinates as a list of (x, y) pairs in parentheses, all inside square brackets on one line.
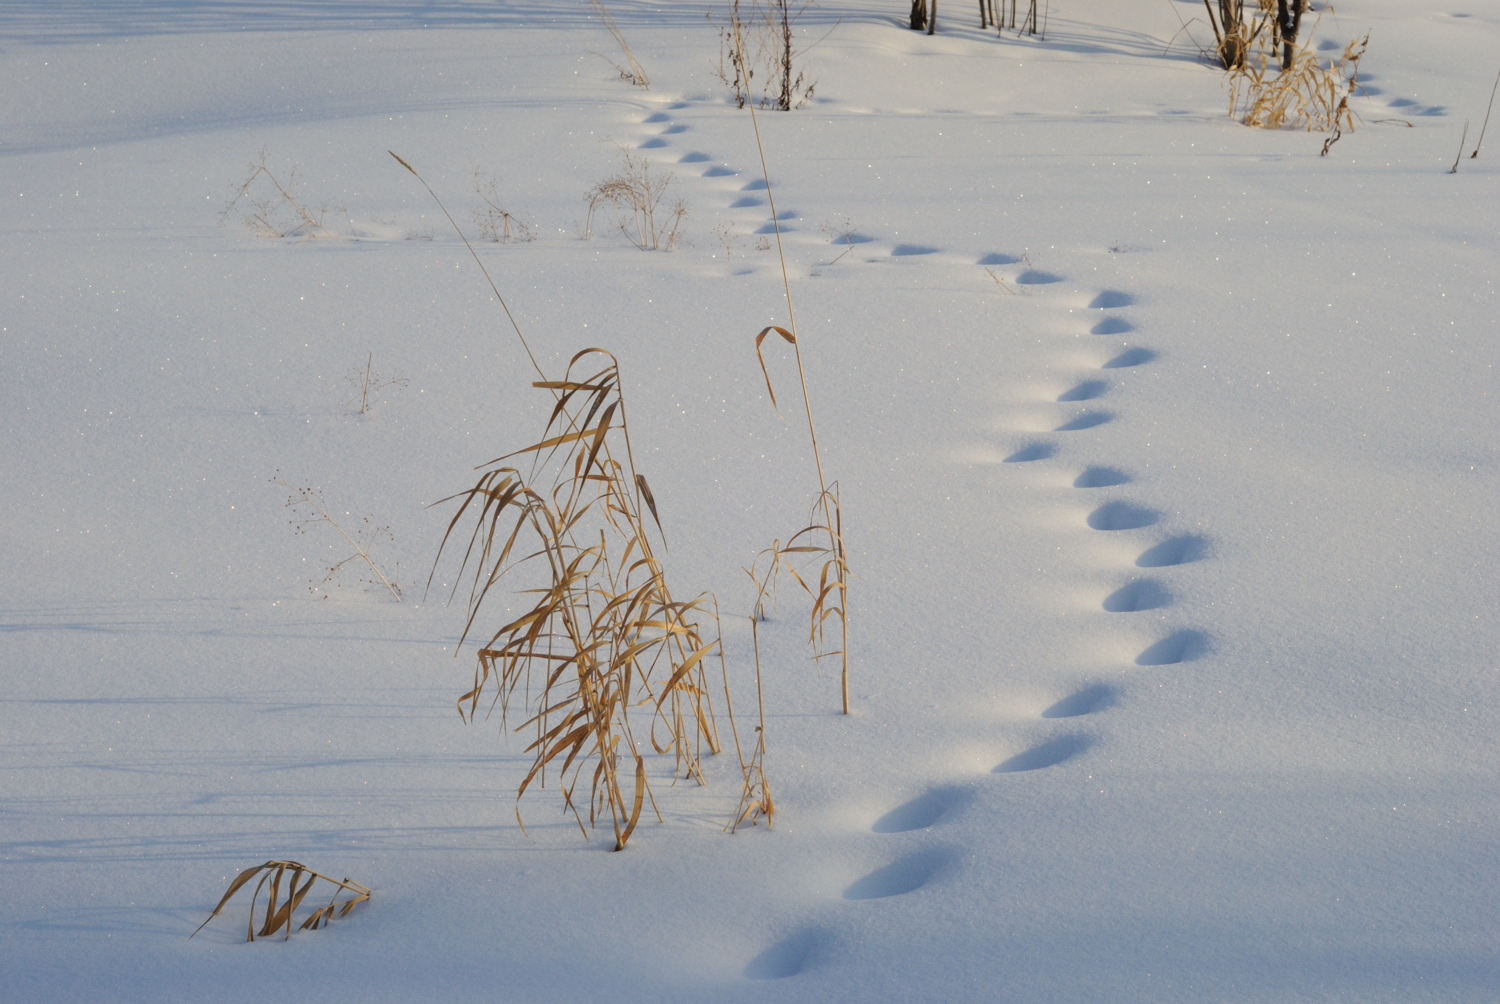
[(603, 632), (1312, 94), (280, 912)]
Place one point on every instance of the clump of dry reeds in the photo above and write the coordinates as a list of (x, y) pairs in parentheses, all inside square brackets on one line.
[(603, 631), (637, 196), (270, 205), (1312, 93), (279, 912)]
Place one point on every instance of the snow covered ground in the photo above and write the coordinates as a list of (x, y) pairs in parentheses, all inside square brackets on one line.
[(1174, 637)]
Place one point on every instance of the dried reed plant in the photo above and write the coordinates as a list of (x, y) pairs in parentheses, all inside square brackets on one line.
[(1313, 93), (635, 75), (831, 598), (637, 196), (270, 206), (604, 631), (278, 911), (309, 507)]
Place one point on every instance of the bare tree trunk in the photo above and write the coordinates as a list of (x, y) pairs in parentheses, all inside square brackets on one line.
[(932, 18), (1288, 23), (918, 15)]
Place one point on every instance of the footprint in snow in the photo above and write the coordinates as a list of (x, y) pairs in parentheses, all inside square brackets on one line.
[(1120, 516), (1030, 452), (1086, 391), (923, 811), (1048, 754), (1130, 357), (1112, 326), (1181, 646), (1109, 299), (1100, 477), (1176, 551), (787, 957), (899, 878), (1087, 420), (1142, 594), (1087, 701)]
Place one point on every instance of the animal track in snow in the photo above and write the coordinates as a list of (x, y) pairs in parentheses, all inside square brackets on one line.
[(923, 811), (903, 250), (746, 201), (1181, 646), (1130, 357), (1120, 516), (1112, 326), (694, 158), (1143, 594), (1109, 299), (1048, 754), (997, 259), (1086, 391), (1030, 452), (654, 143), (1087, 701), (899, 878), (1100, 477), (1036, 277), (1087, 420), (788, 957), (721, 172), (1176, 551), (658, 117)]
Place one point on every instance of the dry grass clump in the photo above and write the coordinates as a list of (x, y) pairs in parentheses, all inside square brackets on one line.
[(637, 196), (270, 206), (603, 631), (278, 911), (1313, 93)]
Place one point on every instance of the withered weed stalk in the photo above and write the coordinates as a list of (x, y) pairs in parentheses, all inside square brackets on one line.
[(279, 912), (365, 381), (309, 508), (822, 540), (1000, 282), (755, 791), (635, 74), (269, 205), (769, 26), (848, 230), (601, 631), (495, 222), (637, 196)]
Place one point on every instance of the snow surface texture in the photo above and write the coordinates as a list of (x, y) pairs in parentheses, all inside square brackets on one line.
[(1174, 638)]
